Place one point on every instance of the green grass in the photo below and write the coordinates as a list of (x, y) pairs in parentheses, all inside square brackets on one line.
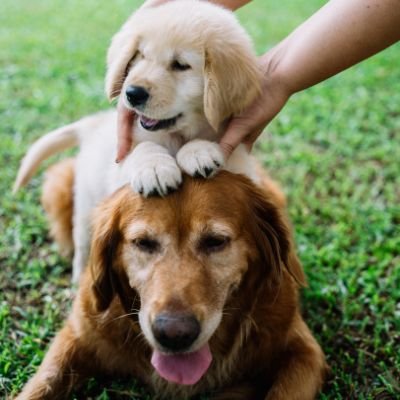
[(335, 148)]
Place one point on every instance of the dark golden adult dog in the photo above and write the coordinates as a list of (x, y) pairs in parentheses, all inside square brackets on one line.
[(196, 292)]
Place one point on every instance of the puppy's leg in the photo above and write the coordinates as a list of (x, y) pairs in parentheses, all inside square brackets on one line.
[(84, 203), (241, 162), (59, 371), (81, 235), (200, 158), (152, 170), (302, 370), (68, 216)]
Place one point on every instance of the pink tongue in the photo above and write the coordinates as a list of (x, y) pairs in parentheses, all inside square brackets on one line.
[(148, 121), (185, 369)]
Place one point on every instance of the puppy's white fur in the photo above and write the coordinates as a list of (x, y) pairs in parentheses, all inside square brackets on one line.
[(223, 78)]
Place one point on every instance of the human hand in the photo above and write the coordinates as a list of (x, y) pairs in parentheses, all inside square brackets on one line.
[(125, 120), (246, 127), (339, 35)]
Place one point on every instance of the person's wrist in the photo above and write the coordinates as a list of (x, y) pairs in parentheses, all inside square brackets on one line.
[(274, 75)]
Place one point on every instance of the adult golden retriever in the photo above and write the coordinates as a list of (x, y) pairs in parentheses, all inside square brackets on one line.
[(184, 67), (196, 292)]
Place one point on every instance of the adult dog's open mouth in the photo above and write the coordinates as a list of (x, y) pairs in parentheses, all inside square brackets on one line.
[(184, 368), (151, 124)]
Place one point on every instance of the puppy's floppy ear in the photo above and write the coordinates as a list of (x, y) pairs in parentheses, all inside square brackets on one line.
[(273, 237), (105, 241), (232, 77), (123, 48)]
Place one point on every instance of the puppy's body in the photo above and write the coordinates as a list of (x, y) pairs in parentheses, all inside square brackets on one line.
[(196, 68), (219, 250)]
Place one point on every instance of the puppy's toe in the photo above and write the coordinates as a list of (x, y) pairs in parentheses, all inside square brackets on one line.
[(200, 158), (156, 178)]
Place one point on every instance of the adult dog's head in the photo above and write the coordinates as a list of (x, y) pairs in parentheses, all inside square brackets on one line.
[(183, 260), (182, 64)]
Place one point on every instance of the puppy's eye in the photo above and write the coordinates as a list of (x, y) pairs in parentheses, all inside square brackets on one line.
[(213, 243), (147, 245), (134, 58), (178, 66)]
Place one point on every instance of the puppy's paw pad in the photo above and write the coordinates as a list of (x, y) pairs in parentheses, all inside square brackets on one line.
[(200, 158), (157, 178)]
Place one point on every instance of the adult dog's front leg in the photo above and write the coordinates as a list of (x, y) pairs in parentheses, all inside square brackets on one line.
[(152, 170), (241, 391), (58, 373), (302, 371)]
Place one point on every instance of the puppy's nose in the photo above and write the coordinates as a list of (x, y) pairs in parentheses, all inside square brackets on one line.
[(136, 95), (176, 331)]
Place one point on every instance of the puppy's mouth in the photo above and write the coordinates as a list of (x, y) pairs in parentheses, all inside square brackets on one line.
[(151, 124), (182, 368)]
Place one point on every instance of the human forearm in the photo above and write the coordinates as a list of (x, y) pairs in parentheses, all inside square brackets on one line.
[(339, 35)]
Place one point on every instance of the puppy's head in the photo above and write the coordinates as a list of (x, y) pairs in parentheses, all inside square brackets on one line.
[(182, 258), (181, 64)]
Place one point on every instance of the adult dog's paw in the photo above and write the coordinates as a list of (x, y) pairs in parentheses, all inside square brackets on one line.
[(200, 158), (154, 173)]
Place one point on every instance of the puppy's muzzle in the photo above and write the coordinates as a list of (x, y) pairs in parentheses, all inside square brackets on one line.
[(176, 331), (136, 95)]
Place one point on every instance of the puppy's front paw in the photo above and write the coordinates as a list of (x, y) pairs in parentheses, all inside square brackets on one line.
[(154, 172), (200, 158)]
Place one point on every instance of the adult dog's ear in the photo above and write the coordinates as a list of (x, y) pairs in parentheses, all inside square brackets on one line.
[(232, 77), (103, 252), (123, 48), (273, 238)]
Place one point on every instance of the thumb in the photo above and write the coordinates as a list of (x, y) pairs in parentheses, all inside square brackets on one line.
[(124, 131), (239, 130)]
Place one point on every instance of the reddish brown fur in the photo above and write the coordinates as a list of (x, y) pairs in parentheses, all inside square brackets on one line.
[(57, 200), (262, 349)]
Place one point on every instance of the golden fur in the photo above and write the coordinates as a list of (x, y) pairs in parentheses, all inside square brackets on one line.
[(57, 200), (262, 348)]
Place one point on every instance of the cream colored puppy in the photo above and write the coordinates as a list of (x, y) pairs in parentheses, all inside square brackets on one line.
[(184, 67)]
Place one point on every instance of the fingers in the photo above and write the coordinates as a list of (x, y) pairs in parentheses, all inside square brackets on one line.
[(242, 129), (236, 131), (246, 127), (124, 130)]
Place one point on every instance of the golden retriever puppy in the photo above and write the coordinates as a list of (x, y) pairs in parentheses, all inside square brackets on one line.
[(184, 67), (193, 293)]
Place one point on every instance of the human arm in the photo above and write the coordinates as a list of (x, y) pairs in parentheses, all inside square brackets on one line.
[(339, 35)]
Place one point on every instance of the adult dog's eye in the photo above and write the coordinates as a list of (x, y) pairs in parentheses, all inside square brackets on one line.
[(213, 243), (146, 245), (178, 66)]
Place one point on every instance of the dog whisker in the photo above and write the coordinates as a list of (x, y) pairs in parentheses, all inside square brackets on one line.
[(124, 316)]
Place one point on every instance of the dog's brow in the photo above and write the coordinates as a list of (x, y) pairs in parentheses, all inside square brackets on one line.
[(219, 227), (191, 57), (138, 228)]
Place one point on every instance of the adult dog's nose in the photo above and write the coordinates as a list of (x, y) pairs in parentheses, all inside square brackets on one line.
[(176, 331), (136, 95)]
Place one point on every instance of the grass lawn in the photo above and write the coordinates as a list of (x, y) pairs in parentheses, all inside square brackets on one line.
[(335, 149)]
